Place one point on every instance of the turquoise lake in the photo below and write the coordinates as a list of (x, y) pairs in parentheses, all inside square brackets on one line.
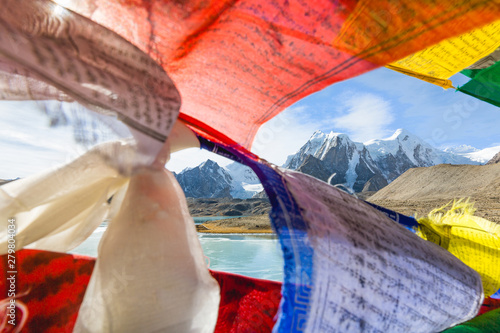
[(255, 255), (203, 219)]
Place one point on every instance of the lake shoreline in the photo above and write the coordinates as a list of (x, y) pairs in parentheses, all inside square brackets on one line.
[(239, 225)]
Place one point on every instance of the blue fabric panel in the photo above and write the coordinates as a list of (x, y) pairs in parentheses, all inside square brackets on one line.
[(287, 221), (409, 222)]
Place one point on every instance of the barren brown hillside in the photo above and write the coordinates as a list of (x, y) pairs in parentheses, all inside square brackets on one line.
[(419, 190)]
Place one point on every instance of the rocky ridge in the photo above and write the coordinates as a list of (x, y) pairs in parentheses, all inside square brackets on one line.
[(208, 180), (336, 159), (495, 159), (228, 207)]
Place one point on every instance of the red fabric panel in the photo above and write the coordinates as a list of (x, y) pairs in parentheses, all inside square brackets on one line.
[(489, 304), (239, 63), (54, 285), (247, 304)]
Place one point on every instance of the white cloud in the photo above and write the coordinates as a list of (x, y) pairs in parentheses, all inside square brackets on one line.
[(192, 157), (365, 117)]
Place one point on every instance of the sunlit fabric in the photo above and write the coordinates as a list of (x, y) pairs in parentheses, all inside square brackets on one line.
[(489, 304), (428, 78), (150, 254), (435, 64), (234, 65), (484, 84), (239, 63), (48, 52), (52, 285), (474, 240), (486, 323), (349, 267), (247, 304), (58, 209)]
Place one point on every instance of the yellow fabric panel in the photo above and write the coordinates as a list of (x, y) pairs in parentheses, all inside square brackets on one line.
[(474, 240), (437, 63), (434, 80)]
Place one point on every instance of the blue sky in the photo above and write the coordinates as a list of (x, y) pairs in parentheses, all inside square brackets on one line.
[(375, 105), (370, 106)]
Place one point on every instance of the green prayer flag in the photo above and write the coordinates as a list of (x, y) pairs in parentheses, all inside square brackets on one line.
[(486, 323), (484, 84)]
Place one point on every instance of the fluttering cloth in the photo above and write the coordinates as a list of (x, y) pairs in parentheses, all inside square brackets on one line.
[(58, 209), (236, 64), (150, 274), (57, 281), (48, 52), (350, 268), (150, 253), (347, 265), (484, 84), (53, 285), (437, 63), (472, 239), (486, 323)]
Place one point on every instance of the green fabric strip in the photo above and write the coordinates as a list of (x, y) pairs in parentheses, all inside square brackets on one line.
[(484, 84), (486, 323)]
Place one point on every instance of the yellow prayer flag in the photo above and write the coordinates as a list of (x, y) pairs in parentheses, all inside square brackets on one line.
[(437, 63), (472, 239)]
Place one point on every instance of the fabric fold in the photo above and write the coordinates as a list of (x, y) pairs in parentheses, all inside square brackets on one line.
[(58, 209)]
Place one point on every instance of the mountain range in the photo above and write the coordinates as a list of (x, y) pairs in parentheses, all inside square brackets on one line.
[(336, 159), (209, 180)]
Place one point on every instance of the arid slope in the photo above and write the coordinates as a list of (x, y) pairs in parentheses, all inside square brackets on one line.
[(419, 190)]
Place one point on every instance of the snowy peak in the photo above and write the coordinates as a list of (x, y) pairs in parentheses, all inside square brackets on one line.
[(317, 135), (209, 164), (403, 135), (407, 145), (318, 146), (335, 158), (482, 156), (245, 182), (402, 142), (209, 180), (461, 149)]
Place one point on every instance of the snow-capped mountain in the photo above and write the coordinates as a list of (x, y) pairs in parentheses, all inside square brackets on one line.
[(404, 150), (336, 159), (209, 180), (310, 148), (480, 156), (245, 182), (461, 149), (483, 155)]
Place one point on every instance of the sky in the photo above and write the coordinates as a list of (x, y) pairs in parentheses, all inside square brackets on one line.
[(371, 106)]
